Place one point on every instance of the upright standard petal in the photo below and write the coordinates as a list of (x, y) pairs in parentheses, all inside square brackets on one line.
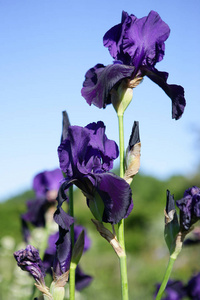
[(138, 41), (86, 149), (46, 181)]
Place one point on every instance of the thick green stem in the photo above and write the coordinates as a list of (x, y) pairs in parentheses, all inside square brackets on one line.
[(72, 265), (166, 278), (72, 281), (71, 212), (123, 263)]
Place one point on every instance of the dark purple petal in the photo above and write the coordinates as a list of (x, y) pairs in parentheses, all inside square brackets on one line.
[(138, 42), (193, 287), (116, 195), (81, 280), (189, 207), (25, 230), (113, 38), (100, 80), (63, 219), (135, 135), (36, 209), (50, 252), (175, 92), (62, 259), (47, 181), (85, 150), (29, 260)]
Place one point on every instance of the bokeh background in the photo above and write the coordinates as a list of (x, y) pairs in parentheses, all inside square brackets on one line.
[(46, 48)]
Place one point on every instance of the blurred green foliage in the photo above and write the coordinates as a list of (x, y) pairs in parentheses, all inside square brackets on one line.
[(147, 254)]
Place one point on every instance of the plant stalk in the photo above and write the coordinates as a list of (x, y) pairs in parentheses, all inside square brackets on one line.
[(166, 277), (72, 265), (121, 237)]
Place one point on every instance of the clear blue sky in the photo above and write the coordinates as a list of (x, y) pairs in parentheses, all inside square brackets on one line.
[(45, 49)]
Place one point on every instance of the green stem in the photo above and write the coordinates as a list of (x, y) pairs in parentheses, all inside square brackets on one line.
[(123, 263), (71, 212), (72, 265), (166, 277), (72, 281)]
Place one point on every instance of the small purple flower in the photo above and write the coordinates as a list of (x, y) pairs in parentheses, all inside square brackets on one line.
[(193, 287), (189, 207), (45, 185), (47, 181), (175, 290), (86, 157), (29, 260), (136, 45)]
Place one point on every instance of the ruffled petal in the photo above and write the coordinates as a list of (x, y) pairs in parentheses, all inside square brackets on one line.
[(100, 80), (136, 41), (116, 195)]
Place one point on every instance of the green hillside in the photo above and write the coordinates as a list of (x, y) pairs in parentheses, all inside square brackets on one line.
[(146, 250)]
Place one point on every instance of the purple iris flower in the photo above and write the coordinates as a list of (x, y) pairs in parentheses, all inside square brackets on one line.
[(193, 287), (136, 45), (45, 185), (47, 181), (189, 207), (29, 260), (86, 157), (175, 290)]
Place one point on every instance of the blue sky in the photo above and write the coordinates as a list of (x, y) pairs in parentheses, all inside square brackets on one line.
[(46, 49)]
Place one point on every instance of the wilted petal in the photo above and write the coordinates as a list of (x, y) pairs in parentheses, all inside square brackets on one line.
[(116, 195), (100, 80), (175, 92)]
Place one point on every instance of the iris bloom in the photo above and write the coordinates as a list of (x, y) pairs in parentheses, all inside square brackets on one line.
[(136, 46), (46, 183), (45, 186), (86, 157), (189, 207)]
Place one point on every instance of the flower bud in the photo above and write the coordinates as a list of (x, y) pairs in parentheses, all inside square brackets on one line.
[(133, 154), (78, 248), (171, 223)]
